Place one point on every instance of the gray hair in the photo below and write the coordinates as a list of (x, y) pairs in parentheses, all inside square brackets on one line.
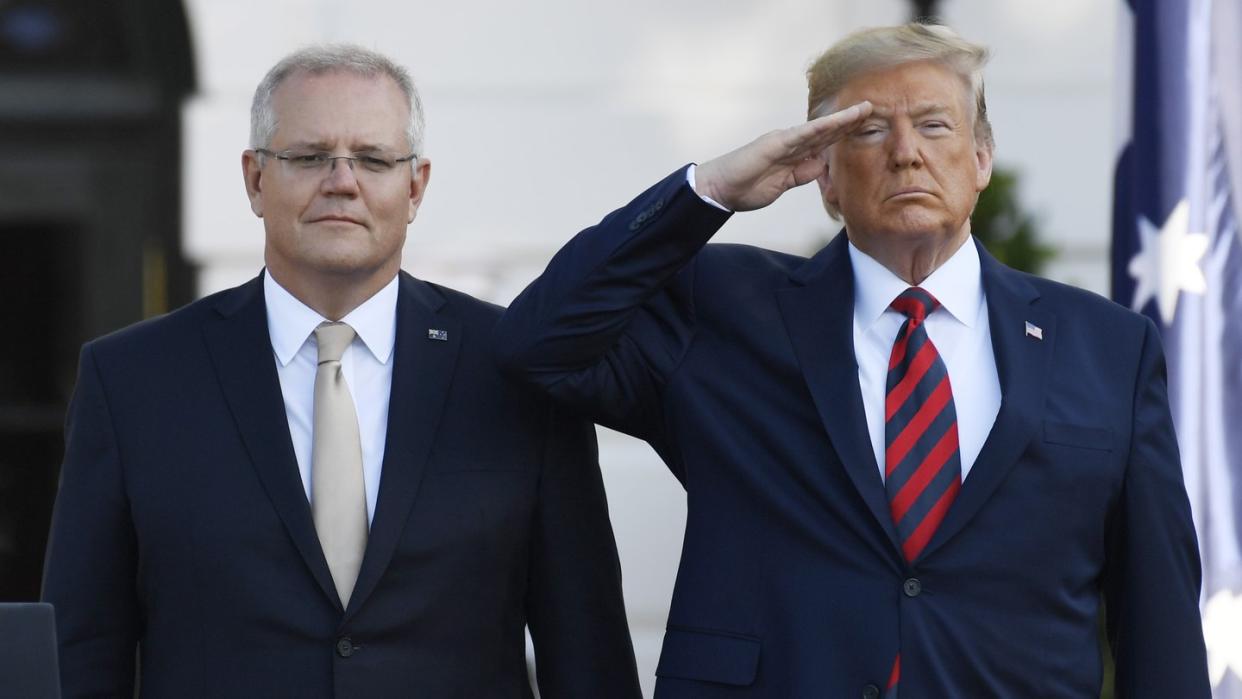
[(328, 58), (885, 47)]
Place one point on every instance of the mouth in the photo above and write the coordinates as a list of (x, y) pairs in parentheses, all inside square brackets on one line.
[(909, 192), (336, 219)]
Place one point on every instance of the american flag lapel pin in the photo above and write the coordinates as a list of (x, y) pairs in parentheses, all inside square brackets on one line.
[(442, 335), (1033, 330)]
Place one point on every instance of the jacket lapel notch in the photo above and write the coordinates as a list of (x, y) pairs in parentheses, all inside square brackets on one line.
[(426, 350), (819, 317), (241, 350), (1022, 365)]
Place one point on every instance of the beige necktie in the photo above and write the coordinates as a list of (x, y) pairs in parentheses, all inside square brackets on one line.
[(338, 495)]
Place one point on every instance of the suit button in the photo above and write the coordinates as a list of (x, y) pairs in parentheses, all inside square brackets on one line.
[(871, 692), (912, 587), (345, 647)]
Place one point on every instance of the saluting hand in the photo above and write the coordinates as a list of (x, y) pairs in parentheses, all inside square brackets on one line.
[(759, 172)]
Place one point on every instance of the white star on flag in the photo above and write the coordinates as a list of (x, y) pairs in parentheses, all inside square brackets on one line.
[(1168, 262), (1222, 617)]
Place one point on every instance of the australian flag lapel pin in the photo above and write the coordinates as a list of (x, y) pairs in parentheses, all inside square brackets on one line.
[(442, 335), (1033, 330)]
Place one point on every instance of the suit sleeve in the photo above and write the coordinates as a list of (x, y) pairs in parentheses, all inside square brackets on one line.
[(609, 319), (575, 608), (1152, 573), (89, 574)]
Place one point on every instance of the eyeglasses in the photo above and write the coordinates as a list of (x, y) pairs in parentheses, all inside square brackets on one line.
[(311, 163)]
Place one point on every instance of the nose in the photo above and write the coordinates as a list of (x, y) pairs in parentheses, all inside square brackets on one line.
[(904, 147), (341, 178)]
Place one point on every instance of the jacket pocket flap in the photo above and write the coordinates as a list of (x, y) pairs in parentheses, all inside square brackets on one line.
[(710, 657), (1078, 436)]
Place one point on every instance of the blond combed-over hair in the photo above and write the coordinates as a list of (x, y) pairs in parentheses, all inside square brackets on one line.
[(879, 48)]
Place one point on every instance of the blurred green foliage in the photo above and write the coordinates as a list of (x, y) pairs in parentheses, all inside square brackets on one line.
[(1005, 228)]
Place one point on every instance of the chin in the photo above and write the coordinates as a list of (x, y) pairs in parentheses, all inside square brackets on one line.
[(912, 230), (353, 267), (920, 223), (341, 260)]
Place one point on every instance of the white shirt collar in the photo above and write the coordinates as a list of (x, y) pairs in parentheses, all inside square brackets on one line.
[(957, 284), (290, 322)]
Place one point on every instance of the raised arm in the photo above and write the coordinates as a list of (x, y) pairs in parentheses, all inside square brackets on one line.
[(608, 321)]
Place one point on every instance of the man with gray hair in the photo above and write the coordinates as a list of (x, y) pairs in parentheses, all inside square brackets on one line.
[(317, 484), (910, 470)]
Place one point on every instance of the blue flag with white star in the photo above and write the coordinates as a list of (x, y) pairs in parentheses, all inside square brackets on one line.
[(1177, 256)]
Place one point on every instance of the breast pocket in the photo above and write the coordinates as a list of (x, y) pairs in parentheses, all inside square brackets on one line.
[(709, 657), (468, 520), (1081, 436), (467, 464), (1065, 480)]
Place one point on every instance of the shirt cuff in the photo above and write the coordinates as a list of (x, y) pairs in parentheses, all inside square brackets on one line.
[(709, 200)]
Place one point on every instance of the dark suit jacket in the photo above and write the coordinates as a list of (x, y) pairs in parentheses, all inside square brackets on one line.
[(737, 365), (182, 527)]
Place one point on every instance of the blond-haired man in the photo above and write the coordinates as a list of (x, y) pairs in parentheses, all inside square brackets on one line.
[(910, 470)]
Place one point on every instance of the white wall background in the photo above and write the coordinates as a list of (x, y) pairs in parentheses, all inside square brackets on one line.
[(546, 114)]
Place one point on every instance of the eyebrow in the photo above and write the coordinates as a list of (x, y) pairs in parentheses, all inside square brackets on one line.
[(324, 146), (929, 108), (919, 110)]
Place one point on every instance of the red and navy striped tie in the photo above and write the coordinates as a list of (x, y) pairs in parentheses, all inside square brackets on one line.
[(922, 464)]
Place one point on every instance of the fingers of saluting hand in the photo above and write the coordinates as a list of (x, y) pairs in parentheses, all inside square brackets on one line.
[(809, 140), (756, 174), (807, 144)]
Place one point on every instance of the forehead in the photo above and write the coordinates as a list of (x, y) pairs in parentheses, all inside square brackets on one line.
[(907, 86), (340, 108)]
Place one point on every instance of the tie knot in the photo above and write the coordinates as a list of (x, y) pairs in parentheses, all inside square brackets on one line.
[(915, 303), (332, 339)]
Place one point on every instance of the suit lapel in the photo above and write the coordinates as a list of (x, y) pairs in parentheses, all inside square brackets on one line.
[(241, 351), (818, 315), (1022, 365), (420, 383)]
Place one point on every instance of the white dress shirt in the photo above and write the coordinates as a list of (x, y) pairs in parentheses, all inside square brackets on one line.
[(367, 365), (959, 329)]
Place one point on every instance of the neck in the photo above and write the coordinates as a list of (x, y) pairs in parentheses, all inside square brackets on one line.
[(332, 296), (914, 262)]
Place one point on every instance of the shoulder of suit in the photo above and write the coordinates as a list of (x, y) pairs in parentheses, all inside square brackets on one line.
[(445, 299), (1068, 300), (164, 331)]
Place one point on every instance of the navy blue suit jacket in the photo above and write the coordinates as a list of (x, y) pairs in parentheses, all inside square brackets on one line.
[(737, 365), (182, 528)]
